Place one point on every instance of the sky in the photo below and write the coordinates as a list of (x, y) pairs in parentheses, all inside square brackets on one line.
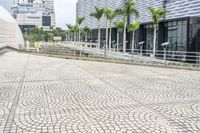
[(65, 12)]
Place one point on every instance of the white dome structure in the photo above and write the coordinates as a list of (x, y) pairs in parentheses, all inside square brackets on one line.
[(10, 33)]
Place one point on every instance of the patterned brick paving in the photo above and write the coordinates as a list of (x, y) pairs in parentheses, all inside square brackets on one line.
[(51, 95)]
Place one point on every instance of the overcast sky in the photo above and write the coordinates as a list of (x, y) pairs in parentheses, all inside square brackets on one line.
[(65, 12)]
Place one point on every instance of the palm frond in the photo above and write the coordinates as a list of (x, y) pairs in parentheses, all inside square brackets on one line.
[(119, 24), (157, 14), (87, 29), (80, 20), (97, 13), (110, 14), (134, 26)]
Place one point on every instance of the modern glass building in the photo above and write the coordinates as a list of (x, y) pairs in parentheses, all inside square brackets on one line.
[(35, 13), (7, 4), (181, 25)]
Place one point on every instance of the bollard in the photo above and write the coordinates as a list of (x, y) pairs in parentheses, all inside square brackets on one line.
[(74, 53), (132, 56), (199, 59), (165, 48), (165, 57)]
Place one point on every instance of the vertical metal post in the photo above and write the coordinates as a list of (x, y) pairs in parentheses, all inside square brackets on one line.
[(74, 53), (105, 52), (131, 55), (165, 57), (199, 59), (141, 45), (105, 48), (165, 49)]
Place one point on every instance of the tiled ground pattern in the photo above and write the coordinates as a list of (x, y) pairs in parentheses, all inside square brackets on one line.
[(50, 95)]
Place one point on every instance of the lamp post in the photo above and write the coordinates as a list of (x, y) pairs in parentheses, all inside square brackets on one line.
[(104, 45), (165, 44), (141, 45), (113, 43)]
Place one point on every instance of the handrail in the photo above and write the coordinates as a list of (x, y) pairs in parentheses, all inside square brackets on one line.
[(144, 55)]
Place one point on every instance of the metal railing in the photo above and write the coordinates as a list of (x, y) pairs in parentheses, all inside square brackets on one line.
[(84, 44), (89, 50), (176, 56)]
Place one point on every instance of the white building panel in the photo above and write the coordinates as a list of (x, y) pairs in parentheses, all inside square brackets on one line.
[(10, 34)]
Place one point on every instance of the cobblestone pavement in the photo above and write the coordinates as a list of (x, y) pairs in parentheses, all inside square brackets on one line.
[(51, 95)]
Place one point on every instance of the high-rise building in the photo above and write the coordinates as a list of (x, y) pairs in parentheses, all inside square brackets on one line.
[(50, 4), (35, 13), (10, 34), (7, 4), (181, 25)]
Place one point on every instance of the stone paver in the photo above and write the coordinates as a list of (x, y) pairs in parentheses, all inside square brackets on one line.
[(51, 95)]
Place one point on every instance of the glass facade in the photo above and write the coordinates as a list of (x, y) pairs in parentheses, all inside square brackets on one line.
[(176, 34), (7, 4), (149, 37), (173, 31), (182, 34)]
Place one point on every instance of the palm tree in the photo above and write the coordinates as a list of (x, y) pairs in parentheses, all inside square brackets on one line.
[(83, 33), (119, 25), (70, 30), (127, 10), (132, 28), (106, 9), (157, 14), (110, 14), (79, 22), (98, 13), (76, 30), (86, 30)]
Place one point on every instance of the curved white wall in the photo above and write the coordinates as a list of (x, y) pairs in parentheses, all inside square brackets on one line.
[(10, 34)]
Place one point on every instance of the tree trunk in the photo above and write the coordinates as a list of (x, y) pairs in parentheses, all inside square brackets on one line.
[(124, 36), (118, 40), (79, 35), (85, 37), (133, 42), (106, 33), (99, 34), (110, 35), (154, 40), (74, 37), (68, 37)]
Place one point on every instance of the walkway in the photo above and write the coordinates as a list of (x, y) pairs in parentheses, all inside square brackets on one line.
[(51, 95)]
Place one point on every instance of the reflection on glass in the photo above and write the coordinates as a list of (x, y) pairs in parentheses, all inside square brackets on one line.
[(149, 37), (177, 35)]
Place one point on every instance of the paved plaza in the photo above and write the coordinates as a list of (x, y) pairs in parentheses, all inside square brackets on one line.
[(51, 95)]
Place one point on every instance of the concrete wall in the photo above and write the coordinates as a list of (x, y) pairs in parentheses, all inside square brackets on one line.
[(10, 34)]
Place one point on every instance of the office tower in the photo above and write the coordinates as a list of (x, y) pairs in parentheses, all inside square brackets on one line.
[(7, 4), (35, 13)]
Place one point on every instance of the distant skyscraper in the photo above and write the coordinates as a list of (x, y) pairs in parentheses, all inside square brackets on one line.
[(50, 3), (7, 4), (35, 13)]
